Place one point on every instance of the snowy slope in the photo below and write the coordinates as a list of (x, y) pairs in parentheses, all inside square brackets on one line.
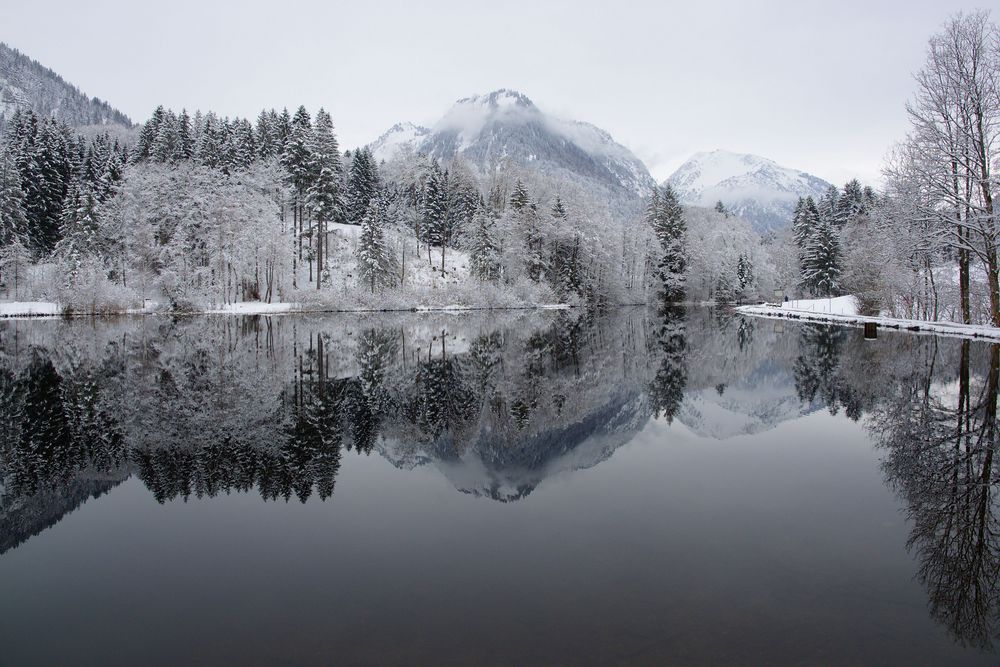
[(755, 188), (26, 84), (395, 139), (506, 125)]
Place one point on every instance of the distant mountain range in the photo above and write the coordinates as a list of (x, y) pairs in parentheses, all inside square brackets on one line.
[(485, 130), (755, 188), (506, 125), (26, 84)]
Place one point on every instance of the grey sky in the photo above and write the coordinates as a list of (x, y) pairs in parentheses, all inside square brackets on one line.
[(814, 85)]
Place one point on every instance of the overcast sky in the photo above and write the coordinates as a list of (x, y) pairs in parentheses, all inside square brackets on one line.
[(819, 86)]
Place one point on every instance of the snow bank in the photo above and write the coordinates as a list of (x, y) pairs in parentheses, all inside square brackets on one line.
[(839, 305), (941, 328), (252, 308), (29, 309)]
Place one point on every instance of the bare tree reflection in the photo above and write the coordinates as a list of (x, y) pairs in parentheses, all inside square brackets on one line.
[(940, 434)]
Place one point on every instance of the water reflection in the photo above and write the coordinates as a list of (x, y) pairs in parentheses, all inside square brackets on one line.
[(498, 404)]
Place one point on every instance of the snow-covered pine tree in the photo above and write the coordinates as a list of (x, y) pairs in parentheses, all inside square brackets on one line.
[(362, 185), (434, 209), (240, 149), (484, 250), (208, 148), (184, 148), (324, 198), (519, 197), (148, 133), (665, 216), (804, 226), (463, 199), (14, 254), (851, 203), (536, 261), (821, 267), (264, 135), (744, 275), (564, 258), (80, 231), (48, 177), (297, 161), (376, 262), (828, 203), (13, 218), (165, 141)]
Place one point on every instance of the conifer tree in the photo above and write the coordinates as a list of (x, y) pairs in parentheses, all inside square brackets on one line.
[(324, 196), (376, 263), (666, 217), (13, 219), (298, 163), (435, 210), (821, 265), (184, 148), (519, 198), (744, 275), (484, 251), (362, 185), (80, 242)]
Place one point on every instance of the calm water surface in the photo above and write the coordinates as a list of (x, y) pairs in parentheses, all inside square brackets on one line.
[(632, 488)]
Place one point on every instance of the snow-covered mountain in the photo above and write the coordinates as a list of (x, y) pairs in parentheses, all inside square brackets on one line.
[(758, 402), (396, 138), (505, 124), (26, 84), (754, 188)]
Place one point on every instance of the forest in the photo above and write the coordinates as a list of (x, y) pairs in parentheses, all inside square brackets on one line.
[(200, 212)]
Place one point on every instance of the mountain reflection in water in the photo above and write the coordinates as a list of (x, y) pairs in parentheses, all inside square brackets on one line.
[(497, 404)]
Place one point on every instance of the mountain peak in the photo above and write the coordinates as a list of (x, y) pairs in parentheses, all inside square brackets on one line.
[(505, 125), (502, 98), (754, 187)]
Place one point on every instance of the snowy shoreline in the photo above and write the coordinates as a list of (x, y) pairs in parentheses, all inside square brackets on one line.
[(775, 311), (46, 309)]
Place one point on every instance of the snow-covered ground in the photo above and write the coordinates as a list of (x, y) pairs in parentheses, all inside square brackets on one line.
[(253, 308), (843, 310), (838, 305), (29, 309)]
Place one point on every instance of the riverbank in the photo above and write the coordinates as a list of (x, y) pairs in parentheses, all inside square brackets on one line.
[(840, 311), (49, 309)]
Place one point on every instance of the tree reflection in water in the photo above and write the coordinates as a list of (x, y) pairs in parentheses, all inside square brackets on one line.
[(213, 405), (939, 430)]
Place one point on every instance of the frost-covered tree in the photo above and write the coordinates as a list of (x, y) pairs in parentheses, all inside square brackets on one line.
[(376, 262), (13, 218), (79, 246), (665, 216), (362, 185), (298, 163), (434, 210), (324, 198), (821, 263), (484, 250), (519, 197)]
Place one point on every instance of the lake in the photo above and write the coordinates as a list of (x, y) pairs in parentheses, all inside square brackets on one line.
[(689, 487)]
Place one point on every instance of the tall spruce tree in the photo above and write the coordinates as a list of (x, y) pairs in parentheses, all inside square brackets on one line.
[(325, 201), (821, 264), (376, 263), (434, 210), (484, 250), (297, 160), (362, 185), (665, 215)]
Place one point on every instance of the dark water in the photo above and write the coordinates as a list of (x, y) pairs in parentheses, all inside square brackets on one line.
[(696, 488)]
